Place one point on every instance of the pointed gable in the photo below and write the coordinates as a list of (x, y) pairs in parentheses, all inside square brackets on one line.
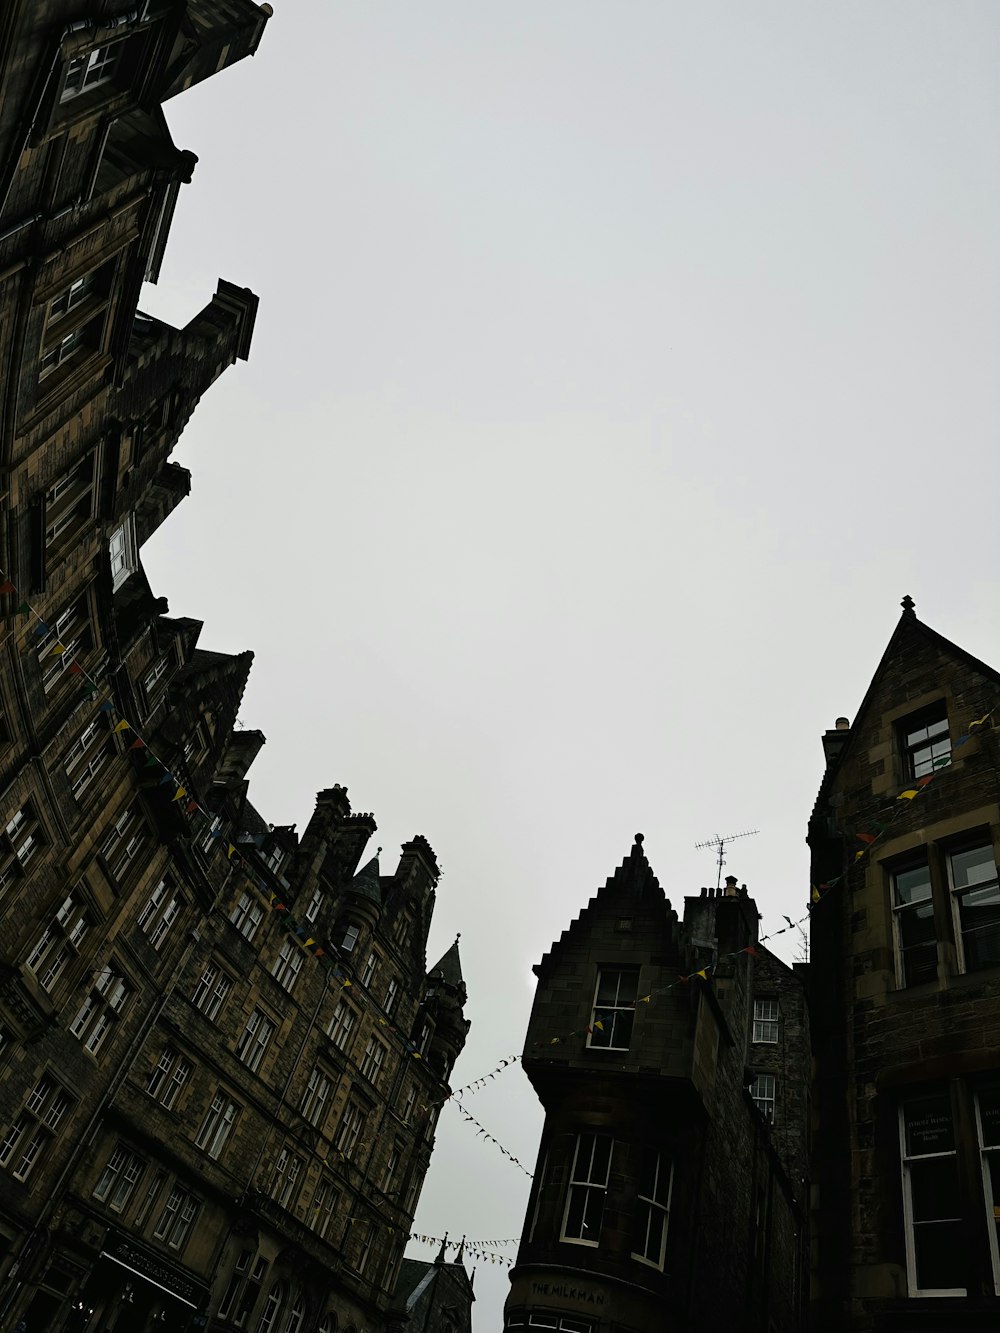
[(919, 670), (633, 890)]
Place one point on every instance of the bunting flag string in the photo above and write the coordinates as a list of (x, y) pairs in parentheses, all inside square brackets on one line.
[(602, 1016), (482, 1249), (478, 1083), (481, 1130)]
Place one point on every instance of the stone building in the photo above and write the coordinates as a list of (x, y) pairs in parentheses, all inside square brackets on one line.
[(221, 1051), (665, 1196), (438, 1296), (905, 976)]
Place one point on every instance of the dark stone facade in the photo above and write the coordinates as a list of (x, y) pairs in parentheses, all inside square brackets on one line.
[(905, 998), (202, 1122), (671, 1090)]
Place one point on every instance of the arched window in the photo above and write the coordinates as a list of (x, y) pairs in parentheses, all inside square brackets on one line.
[(272, 1308), (296, 1315), (328, 1324)]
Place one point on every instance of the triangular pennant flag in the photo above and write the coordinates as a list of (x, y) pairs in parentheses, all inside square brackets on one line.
[(859, 855), (41, 628), (75, 669), (750, 950), (167, 777), (908, 795), (866, 837), (138, 744), (922, 782), (643, 999), (943, 762), (230, 849), (180, 793), (979, 722), (57, 650), (122, 726), (24, 609), (703, 973), (962, 740), (90, 689), (7, 586), (599, 1025), (815, 894), (106, 707), (191, 807), (151, 762)]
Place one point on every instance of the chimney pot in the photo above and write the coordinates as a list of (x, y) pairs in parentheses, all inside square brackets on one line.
[(730, 886), (843, 724)]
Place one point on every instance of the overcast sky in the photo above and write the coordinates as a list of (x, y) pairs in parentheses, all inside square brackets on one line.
[(619, 367)]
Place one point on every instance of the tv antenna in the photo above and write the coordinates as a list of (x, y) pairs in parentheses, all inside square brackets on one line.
[(720, 843)]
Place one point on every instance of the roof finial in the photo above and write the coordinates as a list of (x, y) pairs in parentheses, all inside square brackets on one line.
[(639, 839), (441, 1258), (908, 604)]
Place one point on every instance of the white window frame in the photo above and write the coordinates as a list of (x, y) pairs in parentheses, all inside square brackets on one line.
[(119, 851), (325, 1202), (59, 943), (218, 1124), (956, 893), (287, 966), (73, 630), (315, 902), (898, 908), (288, 1168), (374, 1058), (348, 1128), (160, 912), (247, 915), (316, 1098), (656, 1205), (120, 1178), (764, 1091), (908, 1222), (371, 969), (988, 1151), (177, 1218), (341, 1026), (123, 552), (168, 1078), (595, 1037), (102, 1008), (32, 1132), (583, 1177), (255, 1039), (766, 1020), (94, 68), (349, 942), (924, 754), (211, 990)]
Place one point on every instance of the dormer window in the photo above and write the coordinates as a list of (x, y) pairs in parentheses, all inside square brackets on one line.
[(91, 69), (925, 742)]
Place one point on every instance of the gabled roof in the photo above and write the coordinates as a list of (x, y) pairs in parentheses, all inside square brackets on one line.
[(365, 883), (910, 635), (450, 967), (633, 885)]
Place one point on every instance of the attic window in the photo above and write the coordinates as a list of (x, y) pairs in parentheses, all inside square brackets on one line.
[(925, 742)]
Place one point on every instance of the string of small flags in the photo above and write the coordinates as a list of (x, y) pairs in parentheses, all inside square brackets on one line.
[(601, 1016), (489, 1138), (478, 1083), (478, 1248)]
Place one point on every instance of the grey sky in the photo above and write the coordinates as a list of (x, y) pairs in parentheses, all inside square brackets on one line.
[(619, 367)]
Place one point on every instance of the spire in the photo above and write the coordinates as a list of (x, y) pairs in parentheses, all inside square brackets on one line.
[(441, 1259), (908, 604), (460, 1255), (365, 883), (450, 967)]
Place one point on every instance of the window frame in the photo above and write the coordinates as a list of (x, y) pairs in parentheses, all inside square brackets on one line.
[(991, 1198), (918, 753), (168, 1077), (763, 1100), (982, 842), (906, 1176), (218, 1124), (588, 1185), (598, 1025), (766, 1021), (255, 1039), (894, 872), (655, 1207)]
